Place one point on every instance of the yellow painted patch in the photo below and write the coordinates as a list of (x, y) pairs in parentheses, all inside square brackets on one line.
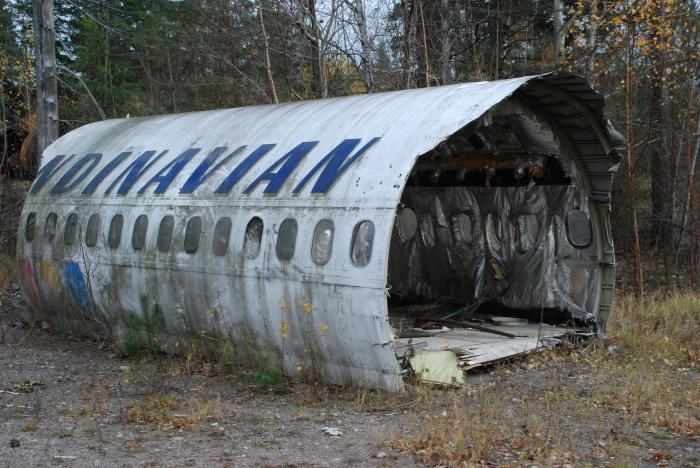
[(48, 276)]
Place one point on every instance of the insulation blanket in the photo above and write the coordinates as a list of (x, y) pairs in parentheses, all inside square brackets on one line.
[(509, 245)]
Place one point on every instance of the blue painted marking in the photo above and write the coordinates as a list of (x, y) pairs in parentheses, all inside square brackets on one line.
[(97, 180), (75, 281), (166, 175), (289, 162), (69, 180), (48, 171), (202, 172), (329, 169), (335, 165), (241, 170), (133, 172)]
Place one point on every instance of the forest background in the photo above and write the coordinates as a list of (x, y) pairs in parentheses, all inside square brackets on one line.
[(117, 58)]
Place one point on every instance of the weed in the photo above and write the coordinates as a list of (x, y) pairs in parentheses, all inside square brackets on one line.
[(166, 412), (155, 409), (131, 346), (8, 271), (143, 328), (132, 446), (648, 385), (267, 374), (29, 426)]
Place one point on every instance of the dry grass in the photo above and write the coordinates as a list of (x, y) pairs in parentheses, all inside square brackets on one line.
[(167, 412), (12, 194), (593, 405), (661, 328), (8, 271), (30, 426)]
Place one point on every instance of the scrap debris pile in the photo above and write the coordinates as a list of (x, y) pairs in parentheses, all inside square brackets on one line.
[(440, 350)]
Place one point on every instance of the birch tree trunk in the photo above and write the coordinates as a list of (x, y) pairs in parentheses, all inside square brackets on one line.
[(358, 10), (594, 10), (558, 13), (424, 44), (408, 9), (692, 158), (46, 85), (631, 165), (317, 65), (446, 42), (266, 46)]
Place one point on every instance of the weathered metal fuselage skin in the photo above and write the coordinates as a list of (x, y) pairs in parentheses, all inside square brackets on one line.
[(346, 160)]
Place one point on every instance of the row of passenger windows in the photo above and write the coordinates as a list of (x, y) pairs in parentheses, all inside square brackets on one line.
[(321, 246)]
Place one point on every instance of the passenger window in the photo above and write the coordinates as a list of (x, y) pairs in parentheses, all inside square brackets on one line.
[(222, 232), (70, 229), (192, 234), (527, 231), (578, 229), (427, 231), (114, 237), (253, 238), (50, 227), (165, 233), (286, 239), (362, 240), (322, 245), (29, 227), (138, 238), (93, 229), (463, 228), (494, 232), (406, 224)]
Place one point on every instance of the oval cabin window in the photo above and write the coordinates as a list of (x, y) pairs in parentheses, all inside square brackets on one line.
[(50, 227), (138, 238), (286, 239), (165, 233), (322, 245), (362, 240), (71, 229), (192, 234), (494, 232), (29, 227), (253, 238), (527, 231), (578, 229), (427, 231), (222, 232), (463, 228), (93, 229), (406, 224), (114, 237)]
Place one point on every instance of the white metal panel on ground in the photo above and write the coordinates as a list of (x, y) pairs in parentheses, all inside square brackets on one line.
[(477, 348)]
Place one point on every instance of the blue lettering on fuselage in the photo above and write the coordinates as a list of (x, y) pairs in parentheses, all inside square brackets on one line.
[(69, 180), (48, 171), (329, 169), (276, 178), (243, 168), (107, 170), (165, 176)]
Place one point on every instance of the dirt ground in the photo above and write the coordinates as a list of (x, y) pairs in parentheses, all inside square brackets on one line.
[(68, 402), (80, 403)]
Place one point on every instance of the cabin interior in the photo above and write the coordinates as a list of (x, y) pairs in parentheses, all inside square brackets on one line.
[(493, 228)]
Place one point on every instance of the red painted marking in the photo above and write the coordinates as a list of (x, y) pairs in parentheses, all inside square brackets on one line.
[(26, 276)]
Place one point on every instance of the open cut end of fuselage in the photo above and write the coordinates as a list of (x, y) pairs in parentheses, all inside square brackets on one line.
[(493, 230)]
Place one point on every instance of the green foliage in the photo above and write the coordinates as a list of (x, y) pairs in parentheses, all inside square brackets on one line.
[(132, 346), (144, 328), (268, 374)]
